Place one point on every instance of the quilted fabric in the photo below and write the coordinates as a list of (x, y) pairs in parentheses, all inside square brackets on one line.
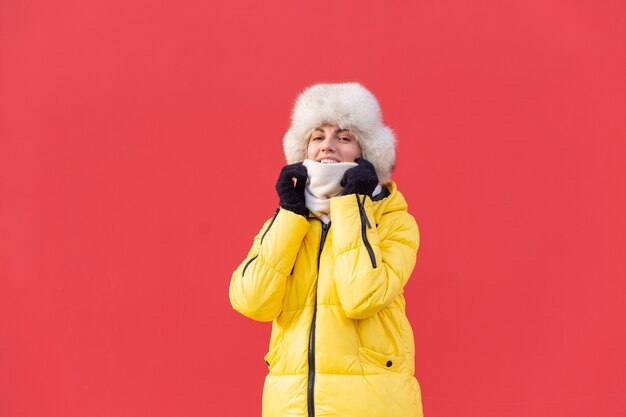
[(341, 344)]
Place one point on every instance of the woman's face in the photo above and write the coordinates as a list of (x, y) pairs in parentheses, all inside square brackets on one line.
[(329, 144)]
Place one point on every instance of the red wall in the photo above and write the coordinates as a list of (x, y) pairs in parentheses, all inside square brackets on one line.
[(140, 142)]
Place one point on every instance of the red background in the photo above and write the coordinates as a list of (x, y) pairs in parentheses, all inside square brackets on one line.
[(140, 142)]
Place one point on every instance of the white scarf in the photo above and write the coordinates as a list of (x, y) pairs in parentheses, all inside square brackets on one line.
[(323, 182)]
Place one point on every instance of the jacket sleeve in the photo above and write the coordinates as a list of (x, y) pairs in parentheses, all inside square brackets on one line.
[(372, 262), (257, 286)]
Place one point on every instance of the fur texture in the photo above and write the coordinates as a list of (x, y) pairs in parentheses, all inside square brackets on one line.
[(348, 106)]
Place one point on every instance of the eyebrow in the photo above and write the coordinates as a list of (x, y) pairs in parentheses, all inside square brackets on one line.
[(319, 129)]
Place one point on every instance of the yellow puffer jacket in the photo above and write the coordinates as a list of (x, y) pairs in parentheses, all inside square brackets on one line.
[(341, 344)]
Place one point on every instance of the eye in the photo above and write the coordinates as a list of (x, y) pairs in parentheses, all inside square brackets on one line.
[(345, 139), (317, 138)]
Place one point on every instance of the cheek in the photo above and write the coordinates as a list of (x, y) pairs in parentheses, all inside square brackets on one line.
[(355, 152), (311, 151), (350, 153)]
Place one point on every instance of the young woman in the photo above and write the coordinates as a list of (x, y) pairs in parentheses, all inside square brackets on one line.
[(328, 269)]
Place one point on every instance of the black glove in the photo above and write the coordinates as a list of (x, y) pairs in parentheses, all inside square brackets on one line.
[(292, 195), (361, 179)]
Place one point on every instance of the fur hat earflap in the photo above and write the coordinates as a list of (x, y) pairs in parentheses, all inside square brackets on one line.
[(348, 106)]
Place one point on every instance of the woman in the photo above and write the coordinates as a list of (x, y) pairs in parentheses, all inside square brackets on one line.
[(328, 269)]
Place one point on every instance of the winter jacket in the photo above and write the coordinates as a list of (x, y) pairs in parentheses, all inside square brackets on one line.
[(341, 344)]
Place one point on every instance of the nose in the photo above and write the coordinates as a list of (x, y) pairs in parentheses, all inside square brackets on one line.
[(327, 145)]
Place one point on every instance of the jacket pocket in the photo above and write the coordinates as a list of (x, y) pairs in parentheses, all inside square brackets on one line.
[(273, 356), (375, 362), (262, 237)]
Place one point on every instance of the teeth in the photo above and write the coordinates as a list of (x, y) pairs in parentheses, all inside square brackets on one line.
[(328, 161)]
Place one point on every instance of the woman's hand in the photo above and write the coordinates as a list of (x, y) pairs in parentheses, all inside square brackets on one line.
[(361, 179), (290, 188)]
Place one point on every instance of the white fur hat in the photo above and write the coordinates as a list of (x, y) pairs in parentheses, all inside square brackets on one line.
[(348, 106)]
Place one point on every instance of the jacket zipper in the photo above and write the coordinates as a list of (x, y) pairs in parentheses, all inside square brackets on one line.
[(364, 222), (311, 380), (262, 237)]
